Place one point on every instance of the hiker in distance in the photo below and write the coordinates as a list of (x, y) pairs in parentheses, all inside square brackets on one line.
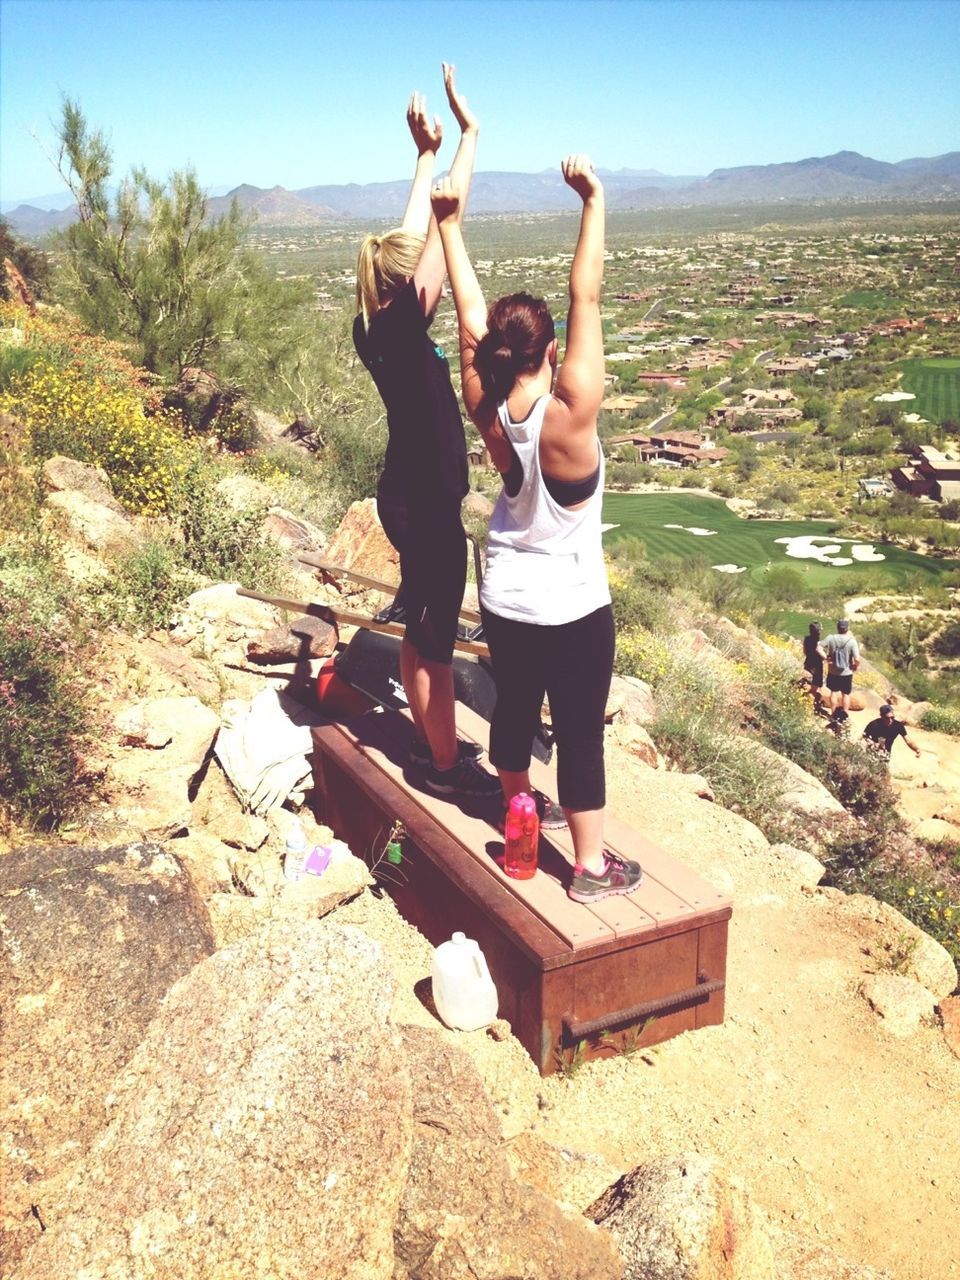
[(843, 658), (545, 602), (813, 659), (882, 733), (424, 479)]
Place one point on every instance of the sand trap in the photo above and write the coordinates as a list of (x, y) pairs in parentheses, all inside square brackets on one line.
[(896, 395), (730, 568), (866, 553), (605, 528), (694, 529), (828, 550)]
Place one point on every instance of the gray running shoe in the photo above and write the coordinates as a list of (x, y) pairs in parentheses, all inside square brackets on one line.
[(552, 817), (421, 758), (466, 779), (620, 875)]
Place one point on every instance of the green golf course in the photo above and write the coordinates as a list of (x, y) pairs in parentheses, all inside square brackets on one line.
[(936, 384), (751, 546)]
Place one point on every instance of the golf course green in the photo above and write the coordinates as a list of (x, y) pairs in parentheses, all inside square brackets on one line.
[(691, 527)]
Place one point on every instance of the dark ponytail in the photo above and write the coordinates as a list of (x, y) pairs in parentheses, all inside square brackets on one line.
[(519, 330)]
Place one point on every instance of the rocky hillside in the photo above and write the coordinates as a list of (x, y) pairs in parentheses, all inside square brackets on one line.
[(212, 1071)]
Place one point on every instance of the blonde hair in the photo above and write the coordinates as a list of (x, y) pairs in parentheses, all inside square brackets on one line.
[(384, 265)]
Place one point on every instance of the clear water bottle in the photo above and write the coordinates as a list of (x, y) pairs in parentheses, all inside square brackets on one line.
[(295, 855), (463, 990), (521, 832)]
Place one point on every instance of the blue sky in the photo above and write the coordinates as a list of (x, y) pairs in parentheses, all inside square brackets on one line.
[(300, 92)]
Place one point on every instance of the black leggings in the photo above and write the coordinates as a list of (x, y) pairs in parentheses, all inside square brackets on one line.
[(572, 664)]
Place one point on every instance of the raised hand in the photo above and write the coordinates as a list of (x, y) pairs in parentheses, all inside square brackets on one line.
[(458, 104), (426, 137), (445, 200), (578, 173)]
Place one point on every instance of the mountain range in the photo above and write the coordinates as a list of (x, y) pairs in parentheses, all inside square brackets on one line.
[(845, 176)]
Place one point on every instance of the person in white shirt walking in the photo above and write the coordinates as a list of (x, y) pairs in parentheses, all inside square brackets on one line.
[(843, 659)]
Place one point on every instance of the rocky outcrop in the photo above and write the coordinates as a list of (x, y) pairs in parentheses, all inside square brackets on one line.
[(900, 1003), (94, 524), (802, 792), (463, 1216), (163, 742), (678, 1218), (263, 1135), (893, 940), (90, 942), (61, 473), (361, 544)]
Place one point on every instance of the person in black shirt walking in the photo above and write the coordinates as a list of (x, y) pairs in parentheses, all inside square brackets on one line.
[(813, 659), (882, 733), (424, 479)]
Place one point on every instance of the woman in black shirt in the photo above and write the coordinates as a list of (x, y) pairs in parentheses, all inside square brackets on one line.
[(424, 479)]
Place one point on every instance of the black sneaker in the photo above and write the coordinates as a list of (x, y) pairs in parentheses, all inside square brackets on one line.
[(465, 779), (395, 611), (552, 817), (620, 875), (420, 757)]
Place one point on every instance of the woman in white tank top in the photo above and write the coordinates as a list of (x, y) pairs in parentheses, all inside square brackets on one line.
[(545, 599)]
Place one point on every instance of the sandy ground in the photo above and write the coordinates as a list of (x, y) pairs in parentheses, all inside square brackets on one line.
[(840, 1131)]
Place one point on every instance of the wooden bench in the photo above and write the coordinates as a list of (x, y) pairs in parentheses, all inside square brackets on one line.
[(573, 980)]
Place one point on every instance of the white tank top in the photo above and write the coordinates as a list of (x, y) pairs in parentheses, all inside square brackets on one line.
[(544, 561)]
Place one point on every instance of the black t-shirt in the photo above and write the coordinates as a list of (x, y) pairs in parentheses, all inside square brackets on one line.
[(811, 659), (426, 450), (886, 734)]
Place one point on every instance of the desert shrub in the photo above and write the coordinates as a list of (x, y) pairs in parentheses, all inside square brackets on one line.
[(221, 542), (43, 714), (947, 643), (942, 720), (65, 412), (148, 584), (15, 362)]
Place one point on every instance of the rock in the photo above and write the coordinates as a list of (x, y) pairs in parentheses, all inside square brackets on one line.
[(949, 1010), (94, 524), (802, 792), (797, 1258), (291, 532), (305, 637), (477, 505), (270, 427), (197, 395), (739, 643), (206, 859), (630, 700), (918, 955), (221, 620), (462, 1214), (696, 783), (573, 1178), (360, 544), (90, 942), (67, 473), (181, 726), (679, 1218), (261, 876), (265, 1135), (160, 655), (935, 830), (218, 808), (901, 1003), (911, 713), (809, 870), (243, 492), (634, 738)]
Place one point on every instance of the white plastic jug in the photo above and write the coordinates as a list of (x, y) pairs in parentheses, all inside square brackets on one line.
[(463, 990)]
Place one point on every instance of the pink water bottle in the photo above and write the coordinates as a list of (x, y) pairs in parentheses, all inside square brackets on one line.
[(521, 832)]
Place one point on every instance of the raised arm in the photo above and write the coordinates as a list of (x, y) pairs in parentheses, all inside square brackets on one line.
[(471, 319), (430, 270), (579, 382), (427, 137)]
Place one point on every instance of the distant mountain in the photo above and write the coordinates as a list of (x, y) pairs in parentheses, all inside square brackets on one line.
[(845, 176), (275, 207), (31, 223)]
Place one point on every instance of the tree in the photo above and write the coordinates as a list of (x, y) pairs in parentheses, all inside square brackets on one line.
[(153, 269)]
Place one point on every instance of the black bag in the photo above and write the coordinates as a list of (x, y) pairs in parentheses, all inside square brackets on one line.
[(371, 663)]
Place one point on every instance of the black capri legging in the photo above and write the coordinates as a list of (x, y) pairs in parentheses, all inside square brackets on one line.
[(571, 663)]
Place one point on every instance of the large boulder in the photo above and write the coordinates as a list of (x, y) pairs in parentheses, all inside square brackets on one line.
[(463, 1216), (678, 1218), (304, 637), (61, 474), (90, 942), (895, 942), (802, 792), (266, 1134), (94, 524), (361, 544)]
